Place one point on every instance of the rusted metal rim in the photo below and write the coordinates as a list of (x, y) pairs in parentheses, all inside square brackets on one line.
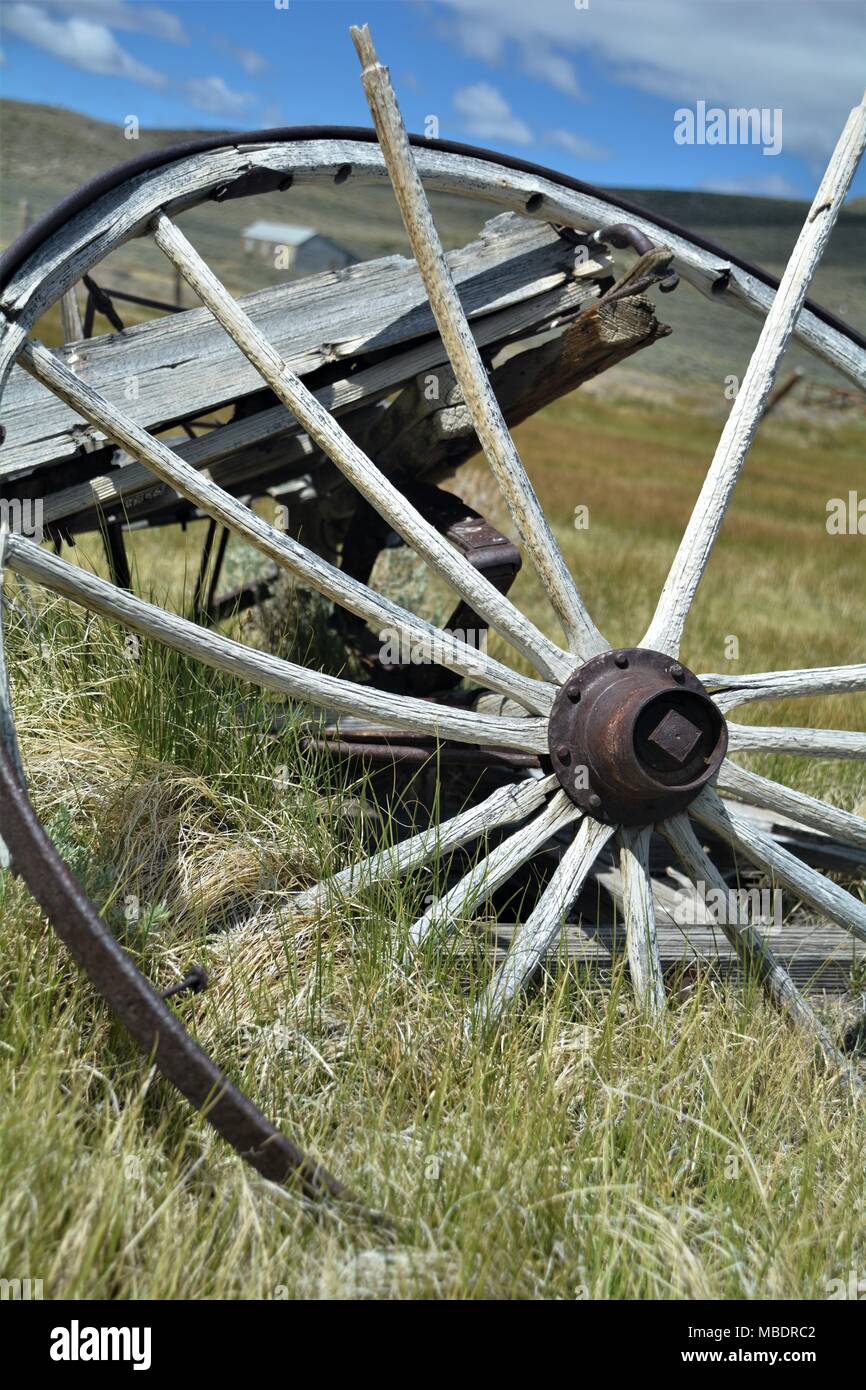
[(143, 1013), (30, 240), (634, 736)]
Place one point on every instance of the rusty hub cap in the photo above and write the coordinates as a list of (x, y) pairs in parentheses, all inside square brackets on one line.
[(634, 736)]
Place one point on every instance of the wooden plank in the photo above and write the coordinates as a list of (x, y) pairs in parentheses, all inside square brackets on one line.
[(242, 450), (171, 368), (816, 957)]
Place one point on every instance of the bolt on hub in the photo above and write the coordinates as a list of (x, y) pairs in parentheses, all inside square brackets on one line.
[(634, 736)]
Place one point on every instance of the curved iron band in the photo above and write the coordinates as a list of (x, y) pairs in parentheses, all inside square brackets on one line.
[(148, 1020), (29, 241)]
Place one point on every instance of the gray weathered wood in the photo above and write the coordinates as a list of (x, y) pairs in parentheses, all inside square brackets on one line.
[(808, 810), (801, 743), (180, 365), (362, 473), (641, 940), (751, 945), (500, 451), (313, 687), (665, 630), (241, 451), (494, 869), (125, 212), (731, 691), (286, 552), (819, 958), (545, 921), (742, 834), (505, 806)]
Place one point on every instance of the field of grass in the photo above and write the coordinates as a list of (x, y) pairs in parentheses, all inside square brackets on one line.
[(579, 1152)]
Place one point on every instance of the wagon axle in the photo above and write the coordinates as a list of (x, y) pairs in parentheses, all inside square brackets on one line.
[(634, 736)]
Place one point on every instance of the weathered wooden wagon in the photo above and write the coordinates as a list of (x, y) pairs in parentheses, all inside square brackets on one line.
[(346, 399)]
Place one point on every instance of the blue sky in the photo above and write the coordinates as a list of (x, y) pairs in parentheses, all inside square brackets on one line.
[(587, 86)]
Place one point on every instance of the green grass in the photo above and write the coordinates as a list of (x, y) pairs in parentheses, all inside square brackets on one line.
[(577, 1153)]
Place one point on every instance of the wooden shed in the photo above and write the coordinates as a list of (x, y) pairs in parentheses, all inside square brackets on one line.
[(300, 249)]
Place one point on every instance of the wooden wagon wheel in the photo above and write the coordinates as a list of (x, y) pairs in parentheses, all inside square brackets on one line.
[(636, 741)]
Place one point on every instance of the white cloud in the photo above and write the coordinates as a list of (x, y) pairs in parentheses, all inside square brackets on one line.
[(767, 185), (540, 61), (121, 14), (79, 42), (488, 115), (577, 145), (252, 62), (806, 58), (213, 95), (480, 39)]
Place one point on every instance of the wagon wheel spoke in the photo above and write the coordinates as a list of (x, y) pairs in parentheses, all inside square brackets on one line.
[(271, 672), (841, 907), (358, 598), (499, 448), (750, 944), (804, 743), (321, 426), (729, 692), (665, 630), (540, 928), (640, 922), (504, 806), (494, 869), (808, 810)]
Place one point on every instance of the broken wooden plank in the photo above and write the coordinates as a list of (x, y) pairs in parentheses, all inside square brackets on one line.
[(243, 452), (175, 367)]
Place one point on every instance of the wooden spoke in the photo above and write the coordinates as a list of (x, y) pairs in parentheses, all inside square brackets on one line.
[(270, 672), (538, 931), (732, 691), (748, 941), (583, 637), (742, 834), (665, 630), (284, 550), (406, 520), (495, 869), (804, 743), (640, 921), (808, 810), (504, 806)]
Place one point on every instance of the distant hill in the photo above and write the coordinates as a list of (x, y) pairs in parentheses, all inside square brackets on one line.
[(46, 152)]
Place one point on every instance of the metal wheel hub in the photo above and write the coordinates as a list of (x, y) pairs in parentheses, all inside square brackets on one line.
[(634, 736)]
